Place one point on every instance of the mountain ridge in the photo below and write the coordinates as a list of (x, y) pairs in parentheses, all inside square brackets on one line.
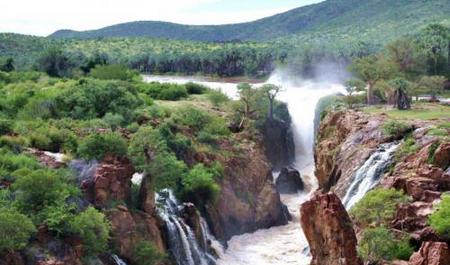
[(327, 15)]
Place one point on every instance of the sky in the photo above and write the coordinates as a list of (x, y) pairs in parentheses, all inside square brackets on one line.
[(43, 17)]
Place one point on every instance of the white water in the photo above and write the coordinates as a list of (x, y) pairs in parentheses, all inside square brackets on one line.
[(369, 174), (283, 245)]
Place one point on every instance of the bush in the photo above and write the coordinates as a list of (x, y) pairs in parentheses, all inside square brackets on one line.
[(194, 88), (164, 91), (407, 147), (396, 129), (15, 230), (15, 144), (38, 189), (93, 229), (145, 253), (379, 244), (97, 146), (199, 186), (114, 121), (217, 98), (192, 117), (377, 207), (113, 71), (440, 219), (5, 127)]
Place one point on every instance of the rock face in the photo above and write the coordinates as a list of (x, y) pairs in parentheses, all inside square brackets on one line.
[(346, 139), (431, 253), (248, 199), (289, 181), (329, 231), (111, 181), (279, 143), (128, 229)]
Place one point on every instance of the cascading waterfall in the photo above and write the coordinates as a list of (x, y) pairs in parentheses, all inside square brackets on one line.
[(281, 245), (369, 174), (182, 242), (118, 260)]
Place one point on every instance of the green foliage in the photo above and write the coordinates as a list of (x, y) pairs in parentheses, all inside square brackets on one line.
[(192, 117), (396, 129), (98, 145), (379, 244), (93, 228), (55, 63), (432, 151), (440, 219), (15, 230), (217, 98), (164, 91), (194, 88), (38, 189), (6, 127), (407, 147), (145, 253), (114, 120), (199, 185), (11, 162), (91, 99), (112, 72), (377, 207)]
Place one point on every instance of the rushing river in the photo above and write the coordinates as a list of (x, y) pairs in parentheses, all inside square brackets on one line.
[(281, 245)]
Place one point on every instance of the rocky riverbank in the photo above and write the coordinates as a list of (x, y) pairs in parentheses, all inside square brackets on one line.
[(420, 168)]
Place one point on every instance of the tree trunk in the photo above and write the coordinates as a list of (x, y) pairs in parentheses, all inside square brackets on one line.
[(402, 99), (270, 109), (370, 93)]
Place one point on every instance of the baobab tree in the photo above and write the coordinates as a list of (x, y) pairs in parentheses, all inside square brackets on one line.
[(271, 91)]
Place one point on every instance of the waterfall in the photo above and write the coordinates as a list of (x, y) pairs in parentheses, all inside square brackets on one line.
[(182, 242), (84, 170), (369, 174), (118, 260)]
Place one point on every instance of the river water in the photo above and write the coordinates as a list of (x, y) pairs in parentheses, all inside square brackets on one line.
[(283, 245)]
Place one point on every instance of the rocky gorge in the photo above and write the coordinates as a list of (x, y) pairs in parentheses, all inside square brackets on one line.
[(345, 141)]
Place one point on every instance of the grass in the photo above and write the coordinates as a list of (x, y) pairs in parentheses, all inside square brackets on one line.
[(419, 111)]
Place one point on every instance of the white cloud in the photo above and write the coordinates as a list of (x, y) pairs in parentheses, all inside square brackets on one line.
[(42, 17)]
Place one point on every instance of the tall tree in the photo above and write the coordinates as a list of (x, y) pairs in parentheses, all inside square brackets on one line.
[(372, 69), (271, 92), (402, 99)]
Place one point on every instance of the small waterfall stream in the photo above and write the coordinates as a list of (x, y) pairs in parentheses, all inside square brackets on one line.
[(182, 242), (369, 174)]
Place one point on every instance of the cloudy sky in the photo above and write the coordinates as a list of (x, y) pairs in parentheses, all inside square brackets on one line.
[(42, 17)]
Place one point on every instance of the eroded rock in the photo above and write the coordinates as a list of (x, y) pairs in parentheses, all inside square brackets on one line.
[(328, 229), (289, 181), (431, 253)]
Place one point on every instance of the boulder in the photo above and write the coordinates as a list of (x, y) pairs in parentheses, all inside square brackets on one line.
[(442, 156), (431, 253), (289, 181), (329, 231), (111, 182)]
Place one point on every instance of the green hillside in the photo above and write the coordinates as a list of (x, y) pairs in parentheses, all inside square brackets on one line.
[(376, 18)]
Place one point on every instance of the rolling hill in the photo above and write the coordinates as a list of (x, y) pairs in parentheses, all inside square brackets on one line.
[(382, 18)]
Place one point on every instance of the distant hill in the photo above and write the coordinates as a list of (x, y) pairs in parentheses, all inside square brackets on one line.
[(379, 18)]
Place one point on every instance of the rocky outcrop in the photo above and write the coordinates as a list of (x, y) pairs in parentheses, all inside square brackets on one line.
[(289, 181), (346, 139), (329, 231), (279, 143), (129, 228), (48, 159), (431, 253), (111, 182), (248, 199)]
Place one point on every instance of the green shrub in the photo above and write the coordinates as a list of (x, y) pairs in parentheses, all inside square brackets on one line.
[(113, 71), (98, 145), (145, 253), (407, 147), (93, 229), (432, 151), (194, 88), (39, 189), (379, 244), (168, 171), (377, 207), (396, 129), (13, 143), (164, 91), (192, 117), (199, 186), (15, 230), (114, 121), (6, 127), (10, 162), (440, 219), (56, 216), (217, 98), (173, 93)]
